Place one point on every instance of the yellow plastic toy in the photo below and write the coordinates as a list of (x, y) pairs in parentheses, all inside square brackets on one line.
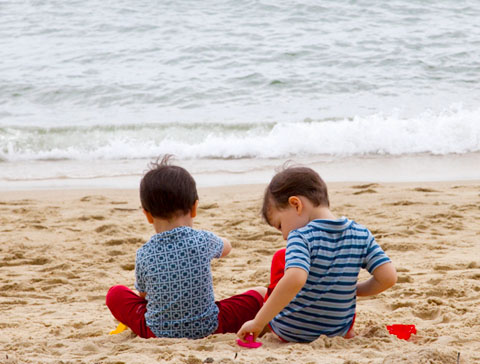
[(120, 328)]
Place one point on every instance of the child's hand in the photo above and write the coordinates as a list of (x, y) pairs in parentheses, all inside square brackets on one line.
[(226, 247), (383, 278), (250, 327), (287, 288)]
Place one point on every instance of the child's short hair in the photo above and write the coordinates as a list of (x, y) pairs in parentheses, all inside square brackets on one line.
[(294, 181), (166, 190)]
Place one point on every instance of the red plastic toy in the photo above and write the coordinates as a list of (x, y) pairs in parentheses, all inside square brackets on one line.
[(249, 342), (402, 331)]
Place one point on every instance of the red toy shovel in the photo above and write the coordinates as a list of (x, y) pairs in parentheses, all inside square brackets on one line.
[(402, 331)]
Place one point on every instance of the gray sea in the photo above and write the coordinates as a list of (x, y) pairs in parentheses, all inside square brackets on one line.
[(91, 91)]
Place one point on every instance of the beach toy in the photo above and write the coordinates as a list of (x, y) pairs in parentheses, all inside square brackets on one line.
[(249, 342), (120, 328), (402, 331)]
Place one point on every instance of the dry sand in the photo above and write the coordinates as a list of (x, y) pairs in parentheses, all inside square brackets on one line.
[(60, 251)]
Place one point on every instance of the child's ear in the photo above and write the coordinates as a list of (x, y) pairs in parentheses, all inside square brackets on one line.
[(296, 203), (148, 215), (193, 211)]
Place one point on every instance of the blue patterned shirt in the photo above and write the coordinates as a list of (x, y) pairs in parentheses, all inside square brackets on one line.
[(332, 252), (173, 268)]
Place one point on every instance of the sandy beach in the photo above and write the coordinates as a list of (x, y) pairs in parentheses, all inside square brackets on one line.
[(60, 251)]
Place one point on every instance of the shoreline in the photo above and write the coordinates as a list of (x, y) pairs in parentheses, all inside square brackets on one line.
[(47, 194), (214, 173), (61, 250)]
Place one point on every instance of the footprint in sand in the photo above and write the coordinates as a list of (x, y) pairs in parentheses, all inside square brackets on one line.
[(445, 216), (91, 217), (427, 313), (93, 198), (422, 189), (133, 240), (38, 261), (400, 304), (421, 227), (472, 265), (208, 206), (17, 203), (401, 247), (375, 330), (424, 355), (368, 185), (404, 279), (113, 242), (90, 348), (115, 253), (368, 190), (235, 222), (403, 203), (468, 207), (445, 267), (108, 229), (39, 227), (128, 267), (123, 209)]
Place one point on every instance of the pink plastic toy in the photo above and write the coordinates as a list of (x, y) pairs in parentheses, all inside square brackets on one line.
[(402, 331), (249, 342)]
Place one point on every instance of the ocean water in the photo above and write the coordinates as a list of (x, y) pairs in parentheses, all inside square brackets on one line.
[(91, 91)]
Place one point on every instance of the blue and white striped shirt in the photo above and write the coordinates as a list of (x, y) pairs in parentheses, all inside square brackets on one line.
[(332, 253)]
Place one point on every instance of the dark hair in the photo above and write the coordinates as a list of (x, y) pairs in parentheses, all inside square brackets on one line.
[(294, 181), (167, 190)]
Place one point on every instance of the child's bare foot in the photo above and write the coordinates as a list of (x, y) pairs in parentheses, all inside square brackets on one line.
[(350, 334)]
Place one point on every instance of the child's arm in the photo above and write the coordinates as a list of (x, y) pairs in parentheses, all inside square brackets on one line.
[(286, 290), (383, 278), (226, 247)]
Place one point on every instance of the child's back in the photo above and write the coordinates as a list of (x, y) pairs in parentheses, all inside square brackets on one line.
[(173, 268), (333, 252)]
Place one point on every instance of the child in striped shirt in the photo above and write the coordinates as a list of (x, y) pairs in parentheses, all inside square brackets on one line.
[(314, 286)]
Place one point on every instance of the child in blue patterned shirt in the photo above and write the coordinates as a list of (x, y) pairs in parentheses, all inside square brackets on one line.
[(314, 285), (172, 269)]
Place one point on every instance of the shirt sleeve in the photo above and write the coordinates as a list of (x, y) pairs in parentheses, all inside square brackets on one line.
[(375, 256), (139, 278), (214, 244), (298, 253)]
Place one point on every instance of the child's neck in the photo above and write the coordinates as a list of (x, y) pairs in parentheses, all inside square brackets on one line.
[(321, 213), (161, 225)]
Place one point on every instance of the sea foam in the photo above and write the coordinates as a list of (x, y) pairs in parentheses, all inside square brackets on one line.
[(453, 131)]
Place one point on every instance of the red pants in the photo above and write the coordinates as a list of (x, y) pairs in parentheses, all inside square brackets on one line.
[(277, 271), (129, 308)]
